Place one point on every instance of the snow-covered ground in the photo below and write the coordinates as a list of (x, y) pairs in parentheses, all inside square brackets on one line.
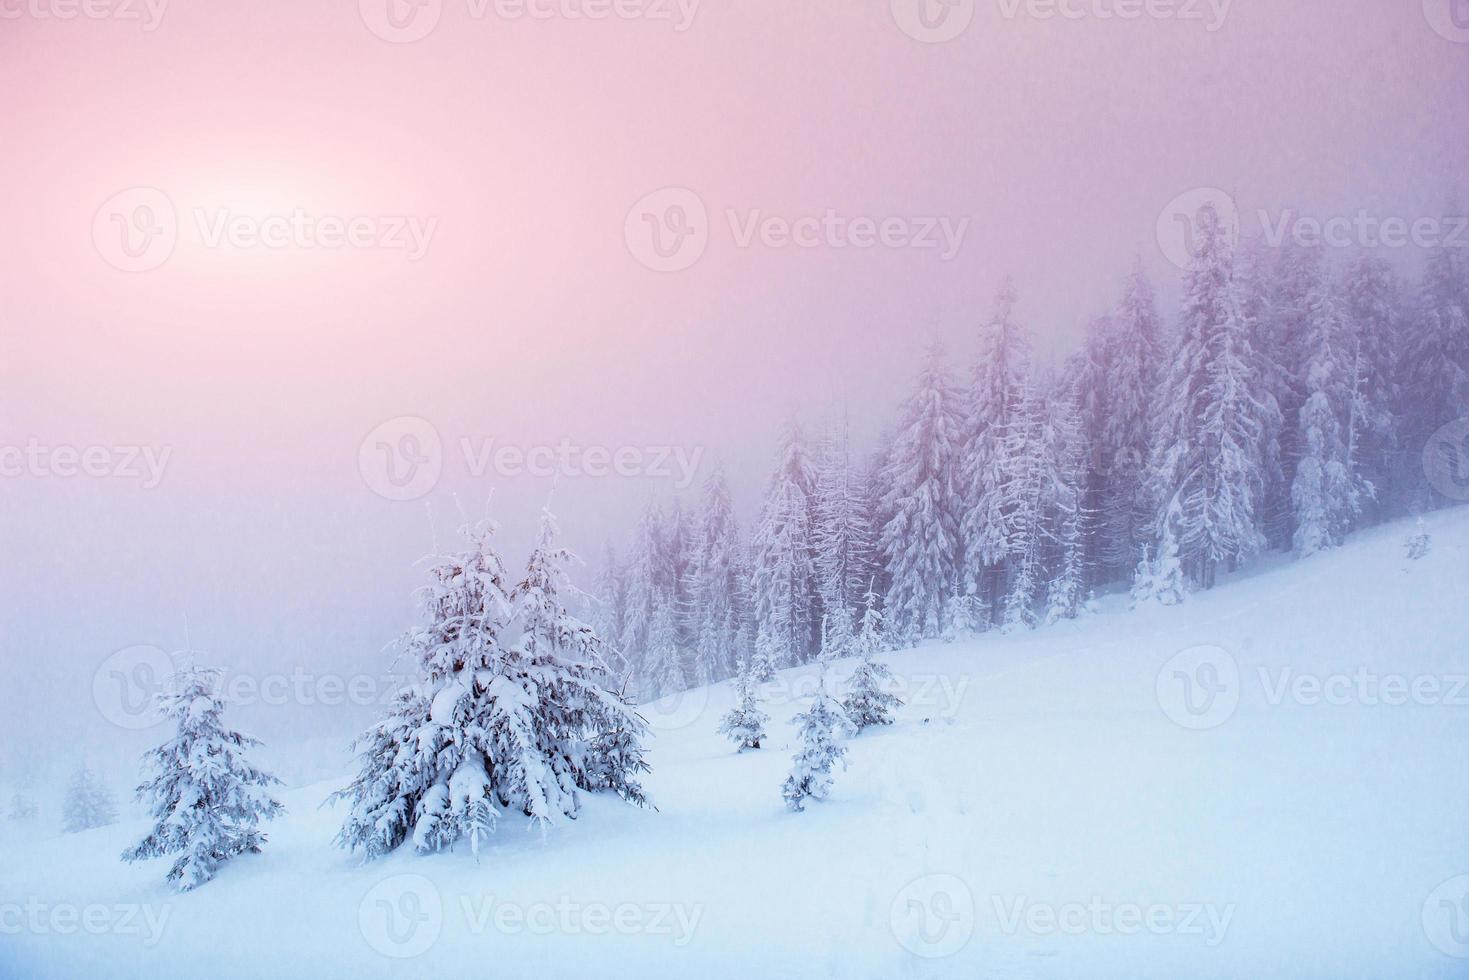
[(1268, 781)]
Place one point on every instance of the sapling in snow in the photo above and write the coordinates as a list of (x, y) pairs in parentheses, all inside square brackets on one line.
[(869, 702), (1417, 542), (745, 723), (88, 803), (208, 801), (821, 729)]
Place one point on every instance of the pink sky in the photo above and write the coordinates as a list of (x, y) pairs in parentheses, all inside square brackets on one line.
[(528, 319)]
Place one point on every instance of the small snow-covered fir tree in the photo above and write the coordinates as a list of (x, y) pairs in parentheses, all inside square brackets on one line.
[(844, 537), (821, 728), (868, 701), (207, 799), (1417, 543), (22, 807), (88, 803), (745, 723), (1160, 581)]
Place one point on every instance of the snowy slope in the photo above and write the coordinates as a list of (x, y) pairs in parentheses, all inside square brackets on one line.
[(1040, 810)]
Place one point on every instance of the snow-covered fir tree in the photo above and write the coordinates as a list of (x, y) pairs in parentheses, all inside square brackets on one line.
[(206, 798), (784, 583), (995, 406), (642, 594), (670, 669), (22, 807), (718, 583), (745, 723), (1417, 543), (1327, 490), (1134, 364), (1374, 318), (844, 538), (821, 728), (88, 803), (920, 544), (869, 700), (1206, 464), (1436, 364), (506, 714), (609, 613), (1160, 581)]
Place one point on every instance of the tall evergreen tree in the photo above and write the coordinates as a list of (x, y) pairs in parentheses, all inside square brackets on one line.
[(784, 584), (718, 583), (1206, 465), (845, 546), (996, 400), (920, 543)]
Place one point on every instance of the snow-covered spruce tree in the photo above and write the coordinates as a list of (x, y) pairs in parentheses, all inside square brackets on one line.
[(1160, 581), (844, 537), (1272, 360), (985, 467), (609, 613), (489, 728), (868, 701), (1417, 543), (1133, 369), (583, 725), (1374, 318), (1436, 365), (920, 543), (88, 803), (1206, 463), (745, 723), (718, 586), (669, 667), (22, 807), (642, 594), (206, 797), (787, 606), (1326, 491), (821, 729)]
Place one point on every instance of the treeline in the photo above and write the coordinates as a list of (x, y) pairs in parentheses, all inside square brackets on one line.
[(1287, 404)]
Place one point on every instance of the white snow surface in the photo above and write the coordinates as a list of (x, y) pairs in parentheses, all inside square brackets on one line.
[(1040, 771)]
